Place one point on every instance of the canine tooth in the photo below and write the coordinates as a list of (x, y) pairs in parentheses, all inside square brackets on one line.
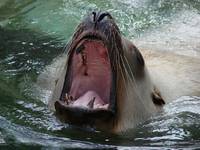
[(91, 103), (68, 98)]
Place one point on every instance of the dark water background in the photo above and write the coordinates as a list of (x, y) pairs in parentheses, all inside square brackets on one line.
[(34, 32)]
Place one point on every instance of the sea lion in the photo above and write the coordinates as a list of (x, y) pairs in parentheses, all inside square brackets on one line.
[(105, 82)]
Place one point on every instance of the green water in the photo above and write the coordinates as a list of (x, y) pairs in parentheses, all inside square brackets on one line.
[(34, 32)]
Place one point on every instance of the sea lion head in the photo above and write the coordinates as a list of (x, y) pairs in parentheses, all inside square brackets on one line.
[(100, 72)]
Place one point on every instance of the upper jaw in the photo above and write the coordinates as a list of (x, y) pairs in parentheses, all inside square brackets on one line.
[(90, 34)]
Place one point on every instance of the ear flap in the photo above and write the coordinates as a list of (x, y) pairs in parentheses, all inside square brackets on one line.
[(157, 98)]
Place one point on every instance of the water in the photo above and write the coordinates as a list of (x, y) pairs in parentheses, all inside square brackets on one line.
[(32, 35)]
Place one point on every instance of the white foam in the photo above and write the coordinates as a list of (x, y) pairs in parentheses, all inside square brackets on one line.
[(1, 139), (181, 35)]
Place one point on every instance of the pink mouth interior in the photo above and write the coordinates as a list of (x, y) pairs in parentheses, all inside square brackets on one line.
[(90, 76)]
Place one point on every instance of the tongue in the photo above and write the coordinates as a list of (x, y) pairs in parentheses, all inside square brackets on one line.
[(90, 100)]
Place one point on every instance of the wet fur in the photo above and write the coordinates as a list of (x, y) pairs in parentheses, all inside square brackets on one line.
[(135, 89), (164, 75), (145, 86), (174, 75)]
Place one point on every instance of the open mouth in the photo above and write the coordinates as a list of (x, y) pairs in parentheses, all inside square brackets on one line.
[(88, 89)]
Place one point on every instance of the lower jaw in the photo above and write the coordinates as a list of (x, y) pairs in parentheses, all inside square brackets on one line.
[(82, 116)]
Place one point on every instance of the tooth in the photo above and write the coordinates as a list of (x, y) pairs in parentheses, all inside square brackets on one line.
[(79, 49), (91, 103), (68, 98), (106, 106)]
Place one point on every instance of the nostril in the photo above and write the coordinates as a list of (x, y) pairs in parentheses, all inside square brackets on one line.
[(94, 16), (101, 17)]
